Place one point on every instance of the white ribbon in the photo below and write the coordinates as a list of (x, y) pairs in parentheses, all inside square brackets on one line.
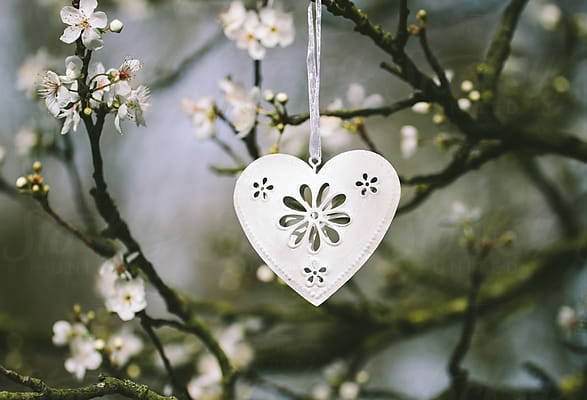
[(313, 62)]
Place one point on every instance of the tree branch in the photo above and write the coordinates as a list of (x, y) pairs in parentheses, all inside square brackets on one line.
[(106, 386)]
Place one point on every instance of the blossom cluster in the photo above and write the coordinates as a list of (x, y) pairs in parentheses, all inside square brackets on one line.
[(85, 88), (203, 112), (256, 31), (87, 352), (122, 293), (337, 383)]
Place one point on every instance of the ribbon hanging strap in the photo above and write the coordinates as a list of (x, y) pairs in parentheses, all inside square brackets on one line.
[(313, 62)]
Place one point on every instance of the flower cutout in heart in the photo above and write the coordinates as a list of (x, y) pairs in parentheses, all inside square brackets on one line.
[(314, 217), (261, 189), (367, 185), (315, 274)]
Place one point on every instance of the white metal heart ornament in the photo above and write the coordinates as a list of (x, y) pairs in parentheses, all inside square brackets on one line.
[(316, 229)]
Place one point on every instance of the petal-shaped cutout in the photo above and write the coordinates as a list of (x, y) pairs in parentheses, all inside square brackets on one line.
[(306, 194), (311, 279), (99, 20), (320, 278), (290, 220), (365, 176), (364, 191), (264, 181), (322, 193), (330, 234), (298, 234), (293, 204), (338, 218), (256, 194), (335, 202), (373, 189), (255, 185), (314, 238), (322, 270), (307, 270), (358, 183), (270, 187), (374, 179)]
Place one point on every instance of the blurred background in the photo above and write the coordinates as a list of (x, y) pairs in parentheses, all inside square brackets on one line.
[(181, 211)]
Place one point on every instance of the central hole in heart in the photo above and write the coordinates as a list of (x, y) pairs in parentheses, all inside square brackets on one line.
[(314, 215)]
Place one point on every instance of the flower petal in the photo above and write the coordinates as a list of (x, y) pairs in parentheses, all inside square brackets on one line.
[(306, 194), (71, 16), (92, 39), (88, 6), (70, 34), (322, 193), (314, 238), (99, 20), (330, 234)]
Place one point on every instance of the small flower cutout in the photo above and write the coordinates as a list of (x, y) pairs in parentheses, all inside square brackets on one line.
[(367, 185), (315, 274), (262, 189)]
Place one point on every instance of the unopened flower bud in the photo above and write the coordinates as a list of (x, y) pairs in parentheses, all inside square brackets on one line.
[(37, 166), (21, 182), (91, 315), (475, 95), (282, 98), (269, 96), (116, 26), (87, 111), (36, 188), (467, 86), (46, 188), (77, 308), (99, 344), (422, 16), (280, 127)]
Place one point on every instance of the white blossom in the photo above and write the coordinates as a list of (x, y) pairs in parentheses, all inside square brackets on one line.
[(203, 116), (71, 114), (132, 106), (178, 354), (206, 385), (349, 390), (232, 341), (233, 19), (334, 134), (122, 346), (421, 107), (85, 22), (322, 391), (26, 139), (264, 273), (129, 67), (83, 357), (246, 37), (464, 104), (30, 73), (244, 105), (567, 319), (466, 86), (276, 28), (54, 92), (550, 16), (64, 332), (108, 274), (409, 140), (475, 95), (73, 69), (357, 98), (462, 214), (127, 298)]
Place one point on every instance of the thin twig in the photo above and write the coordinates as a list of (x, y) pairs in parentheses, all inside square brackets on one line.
[(100, 248), (147, 326)]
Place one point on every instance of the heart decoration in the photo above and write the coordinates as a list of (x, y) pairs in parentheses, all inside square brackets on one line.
[(316, 229)]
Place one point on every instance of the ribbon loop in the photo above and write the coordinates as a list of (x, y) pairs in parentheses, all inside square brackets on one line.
[(313, 64)]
